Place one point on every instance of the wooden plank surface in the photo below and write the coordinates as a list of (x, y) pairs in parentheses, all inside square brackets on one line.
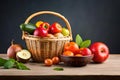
[(109, 68)]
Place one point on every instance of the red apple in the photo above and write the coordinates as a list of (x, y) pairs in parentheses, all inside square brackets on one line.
[(55, 28), (36, 32), (84, 52), (42, 32), (100, 51)]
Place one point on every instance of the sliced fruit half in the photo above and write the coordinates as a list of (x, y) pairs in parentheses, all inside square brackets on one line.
[(23, 56)]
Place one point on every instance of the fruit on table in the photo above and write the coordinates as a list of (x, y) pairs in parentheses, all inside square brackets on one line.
[(38, 23), (42, 32), (55, 28), (65, 32), (55, 60), (71, 46), (23, 56), (13, 49), (84, 51), (100, 51), (28, 27), (48, 62)]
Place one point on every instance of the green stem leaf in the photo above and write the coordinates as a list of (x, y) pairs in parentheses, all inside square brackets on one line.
[(78, 39), (85, 43), (58, 69)]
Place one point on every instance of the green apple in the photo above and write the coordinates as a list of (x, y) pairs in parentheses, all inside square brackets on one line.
[(65, 32)]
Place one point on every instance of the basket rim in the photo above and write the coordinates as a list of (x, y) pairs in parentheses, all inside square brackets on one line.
[(32, 37), (49, 12)]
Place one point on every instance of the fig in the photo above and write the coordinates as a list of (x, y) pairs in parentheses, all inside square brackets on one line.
[(23, 56), (13, 49)]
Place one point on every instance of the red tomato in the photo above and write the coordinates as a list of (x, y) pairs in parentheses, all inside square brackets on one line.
[(55, 60), (84, 51), (71, 46), (55, 28), (48, 62)]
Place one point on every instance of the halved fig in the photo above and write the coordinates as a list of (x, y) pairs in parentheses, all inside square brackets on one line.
[(23, 56)]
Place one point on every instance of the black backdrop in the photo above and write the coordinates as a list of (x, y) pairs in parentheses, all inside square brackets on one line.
[(98, 20)]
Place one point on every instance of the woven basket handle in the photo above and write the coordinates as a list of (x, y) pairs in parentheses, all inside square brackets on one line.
[(53, 13)]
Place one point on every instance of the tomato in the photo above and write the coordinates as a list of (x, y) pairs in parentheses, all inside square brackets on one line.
[(55, 28), (38, 23), (68, 53), (48, 62), (71, 46), (84, 51), (55, 60)]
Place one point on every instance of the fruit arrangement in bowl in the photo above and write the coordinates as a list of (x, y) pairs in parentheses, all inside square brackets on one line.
[(80, 53)]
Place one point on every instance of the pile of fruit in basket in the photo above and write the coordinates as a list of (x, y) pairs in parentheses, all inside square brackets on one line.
[(44, 29)]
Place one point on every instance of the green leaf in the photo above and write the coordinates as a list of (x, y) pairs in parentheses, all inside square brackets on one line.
[(78, 39), (2, 61), (58, 69), (21, 66), (9, 64), (85, 43)]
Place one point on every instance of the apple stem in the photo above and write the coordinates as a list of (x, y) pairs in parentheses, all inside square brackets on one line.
[(12, 42)]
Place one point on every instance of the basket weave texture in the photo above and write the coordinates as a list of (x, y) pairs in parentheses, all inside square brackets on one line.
[(42, 48)]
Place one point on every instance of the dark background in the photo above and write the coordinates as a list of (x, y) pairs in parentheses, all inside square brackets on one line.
[(98, 20)]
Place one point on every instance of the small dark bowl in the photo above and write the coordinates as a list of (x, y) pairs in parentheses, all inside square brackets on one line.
[(76, 61)]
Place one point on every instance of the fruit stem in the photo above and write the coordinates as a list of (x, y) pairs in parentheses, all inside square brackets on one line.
[(12, 42)]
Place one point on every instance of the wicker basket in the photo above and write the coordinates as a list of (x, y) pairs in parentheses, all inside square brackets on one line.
[(42, 48)]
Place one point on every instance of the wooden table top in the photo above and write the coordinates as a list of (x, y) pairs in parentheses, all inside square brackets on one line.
[(110, 68)]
